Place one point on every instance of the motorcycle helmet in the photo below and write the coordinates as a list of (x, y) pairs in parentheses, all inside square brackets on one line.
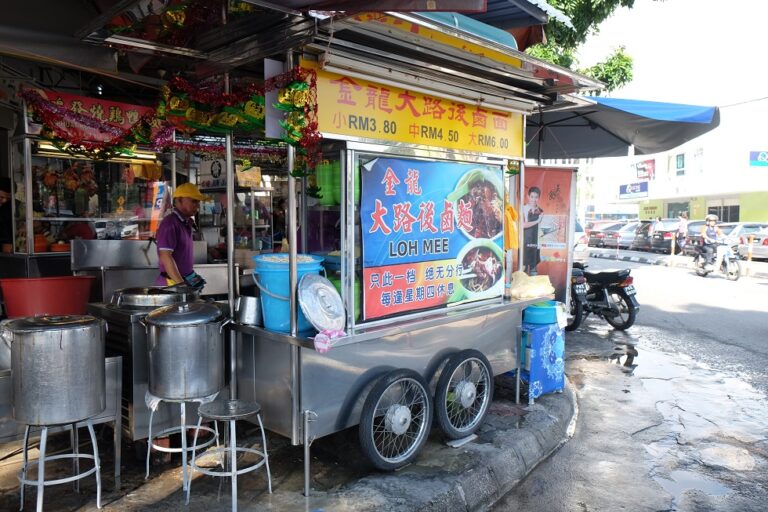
[(710, 217)]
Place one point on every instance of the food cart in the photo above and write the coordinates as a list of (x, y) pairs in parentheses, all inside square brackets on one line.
[(414, 126)]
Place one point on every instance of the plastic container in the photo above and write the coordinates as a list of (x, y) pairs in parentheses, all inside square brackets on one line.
[(336, 281), (66, 295), (325, 182), (544, 312), (271, 276)]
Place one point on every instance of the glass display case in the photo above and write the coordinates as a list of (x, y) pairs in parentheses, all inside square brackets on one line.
[(60, 197), (253, 226)]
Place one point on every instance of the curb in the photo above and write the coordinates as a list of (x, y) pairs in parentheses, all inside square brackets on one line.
[(497, 465), (667, 261)]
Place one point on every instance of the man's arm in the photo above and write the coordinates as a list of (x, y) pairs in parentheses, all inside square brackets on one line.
[(166, 258)]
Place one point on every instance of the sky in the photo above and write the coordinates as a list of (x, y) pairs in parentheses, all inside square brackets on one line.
[(705, 52)]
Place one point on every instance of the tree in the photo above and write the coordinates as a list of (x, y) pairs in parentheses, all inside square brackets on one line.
[(562, 40)]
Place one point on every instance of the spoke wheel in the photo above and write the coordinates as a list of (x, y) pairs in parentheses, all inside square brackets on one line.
[(623, 316), (396, 419), (464, 393), (732, 270)]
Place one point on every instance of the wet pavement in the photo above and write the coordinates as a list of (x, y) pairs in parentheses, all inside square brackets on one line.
[(657, 430)]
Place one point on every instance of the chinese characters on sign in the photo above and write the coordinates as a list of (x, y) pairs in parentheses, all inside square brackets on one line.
[(359, 108), (431, 234)]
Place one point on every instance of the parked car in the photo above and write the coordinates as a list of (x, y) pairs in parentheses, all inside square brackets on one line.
[(693, 237), (742, 230), (598, 224), (580, 247), (663, 234), (759, 245), (598, 235), (622, 237), (642, 240)]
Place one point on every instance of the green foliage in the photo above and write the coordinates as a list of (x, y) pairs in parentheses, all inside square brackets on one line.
[(614, 72), (562, 41)]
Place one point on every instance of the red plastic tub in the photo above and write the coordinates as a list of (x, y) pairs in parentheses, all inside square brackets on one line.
[(66, 295)]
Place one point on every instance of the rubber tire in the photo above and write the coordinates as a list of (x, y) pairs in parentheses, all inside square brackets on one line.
[(728, 275), (622, 326), (577, 312), (368, 418), (441, 394)]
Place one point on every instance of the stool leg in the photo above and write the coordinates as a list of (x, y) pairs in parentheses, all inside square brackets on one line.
[(75, 440), (149, 441), (184, 482), (233, 467), (97, 463), (41, 469), (24, 467), (194, 453), (266, 456)]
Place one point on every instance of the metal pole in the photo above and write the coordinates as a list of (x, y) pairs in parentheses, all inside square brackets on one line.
[(231, 277), (173, 164), (292, 267)]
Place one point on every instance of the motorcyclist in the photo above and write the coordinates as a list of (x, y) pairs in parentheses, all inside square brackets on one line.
[(710, 236)]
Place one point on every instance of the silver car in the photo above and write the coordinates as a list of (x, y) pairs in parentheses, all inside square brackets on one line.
[(759, 243), (622, 237)]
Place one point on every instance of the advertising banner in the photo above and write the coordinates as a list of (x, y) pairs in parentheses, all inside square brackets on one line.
[(758, 158), (546, 216), (431, 234), (121, 115), (360, 108), (633, 190), (646, 170)]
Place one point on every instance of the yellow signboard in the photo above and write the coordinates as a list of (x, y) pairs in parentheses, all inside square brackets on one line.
[(360, 108)]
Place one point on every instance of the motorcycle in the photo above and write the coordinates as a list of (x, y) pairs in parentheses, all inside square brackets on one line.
[(610, 295), (729, 262)]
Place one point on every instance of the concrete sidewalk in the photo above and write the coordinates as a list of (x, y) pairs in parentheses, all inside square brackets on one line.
[(510, 443), (756, 269)]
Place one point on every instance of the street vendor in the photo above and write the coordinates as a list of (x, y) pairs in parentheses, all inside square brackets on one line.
[(175, 251)]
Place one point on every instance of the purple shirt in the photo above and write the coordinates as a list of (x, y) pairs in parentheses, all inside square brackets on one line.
[(175, 234)]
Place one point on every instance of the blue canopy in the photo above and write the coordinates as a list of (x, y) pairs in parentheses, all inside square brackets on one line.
[(598, 127)]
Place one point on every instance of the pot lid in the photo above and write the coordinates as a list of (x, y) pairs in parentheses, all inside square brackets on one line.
[(51, 323), (150, 296), (321, 303), (182, 315)]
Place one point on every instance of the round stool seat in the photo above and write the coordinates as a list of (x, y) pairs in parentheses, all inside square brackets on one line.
[(228, 409)]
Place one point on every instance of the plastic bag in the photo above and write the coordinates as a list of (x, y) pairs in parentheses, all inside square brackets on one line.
[(528, 287)]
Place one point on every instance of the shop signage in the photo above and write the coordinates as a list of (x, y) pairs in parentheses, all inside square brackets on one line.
[(431, 233), (122, 115), (758, 158), (646, 170), (359, 108), (547, 200), (633, 190)]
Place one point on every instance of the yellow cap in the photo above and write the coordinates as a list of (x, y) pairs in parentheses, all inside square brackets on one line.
[(189, 190)]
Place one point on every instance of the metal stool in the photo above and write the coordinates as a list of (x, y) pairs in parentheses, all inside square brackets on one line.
[(153, 403), (41, 483), (231, 411)]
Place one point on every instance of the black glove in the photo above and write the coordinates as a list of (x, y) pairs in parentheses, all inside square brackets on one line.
[(194, 280)]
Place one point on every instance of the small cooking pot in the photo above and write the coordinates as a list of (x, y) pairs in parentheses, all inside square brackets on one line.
[(248, 310)]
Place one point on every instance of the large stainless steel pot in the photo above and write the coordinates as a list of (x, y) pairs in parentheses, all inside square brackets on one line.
[(58, 368), (152, 296), (186, 350)]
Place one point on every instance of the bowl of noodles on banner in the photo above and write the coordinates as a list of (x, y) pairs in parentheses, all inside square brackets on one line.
[(483, 191), (482, 275)]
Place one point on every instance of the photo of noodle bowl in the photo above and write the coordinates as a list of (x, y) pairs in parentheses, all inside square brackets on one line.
[(482, 269), (482, 190)]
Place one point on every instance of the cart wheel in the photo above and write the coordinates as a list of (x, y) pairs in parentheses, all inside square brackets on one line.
[(464, 393), (396, 419)]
